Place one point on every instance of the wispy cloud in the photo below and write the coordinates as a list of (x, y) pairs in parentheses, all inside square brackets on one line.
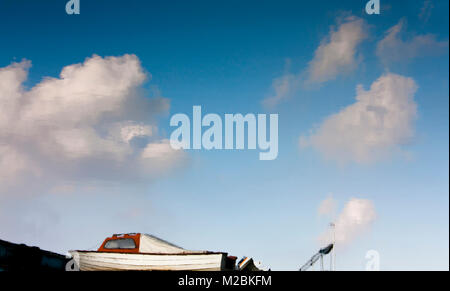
[(425, 11), (92, 122), (381, 120), (337, 54), (393, 48), (283, 88)]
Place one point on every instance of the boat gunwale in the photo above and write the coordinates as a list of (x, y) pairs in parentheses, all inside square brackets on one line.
[(159, 254)]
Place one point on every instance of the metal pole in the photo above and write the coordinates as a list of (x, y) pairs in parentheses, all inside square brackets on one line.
[(333, 226), (334, 248)]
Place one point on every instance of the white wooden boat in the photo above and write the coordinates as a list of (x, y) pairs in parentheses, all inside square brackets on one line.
[(143, 252)]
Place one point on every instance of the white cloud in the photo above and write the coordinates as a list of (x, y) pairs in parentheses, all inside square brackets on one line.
[(160, 149), (91, 122), (337, 53), (162, 153), (392, 48), (381, 120), (355, 218), (130, 131)]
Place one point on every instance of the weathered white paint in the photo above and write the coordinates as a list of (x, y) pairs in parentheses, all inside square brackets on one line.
[(103, 261)]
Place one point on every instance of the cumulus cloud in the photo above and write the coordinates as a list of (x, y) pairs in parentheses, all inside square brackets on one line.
[(355, 218), (381, 120), (338, 52), (393, 48), (92, 122)]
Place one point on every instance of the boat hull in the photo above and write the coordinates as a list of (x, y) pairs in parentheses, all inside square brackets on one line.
[(104, 261)]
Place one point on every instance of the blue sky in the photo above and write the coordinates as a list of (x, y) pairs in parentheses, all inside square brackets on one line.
[(225, 57)]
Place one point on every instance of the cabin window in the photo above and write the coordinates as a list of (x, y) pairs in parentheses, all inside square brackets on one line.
[(124, 243)]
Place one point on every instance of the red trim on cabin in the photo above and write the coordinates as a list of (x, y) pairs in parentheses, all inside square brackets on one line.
[(135, 236)]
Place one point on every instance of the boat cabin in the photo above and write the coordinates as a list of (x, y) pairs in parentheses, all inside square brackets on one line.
[(140, 243), (121, 243)]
